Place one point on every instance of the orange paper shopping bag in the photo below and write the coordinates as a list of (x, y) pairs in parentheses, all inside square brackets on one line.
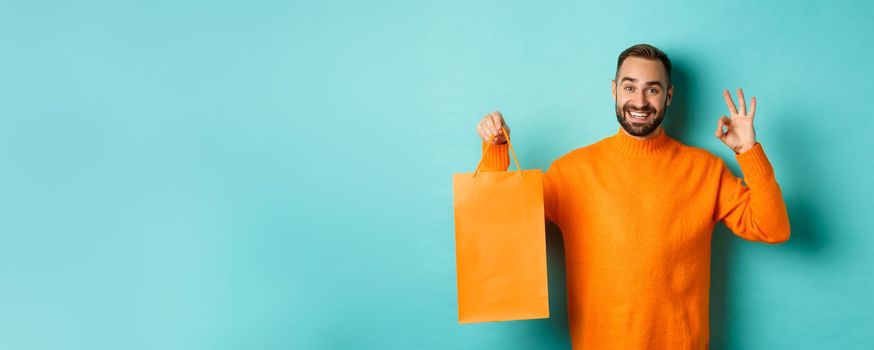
[(500, 245)]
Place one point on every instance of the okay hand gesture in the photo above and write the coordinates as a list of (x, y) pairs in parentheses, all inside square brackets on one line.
[(740, 135)]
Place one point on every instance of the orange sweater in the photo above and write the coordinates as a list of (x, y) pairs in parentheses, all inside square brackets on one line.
[(637, 218)]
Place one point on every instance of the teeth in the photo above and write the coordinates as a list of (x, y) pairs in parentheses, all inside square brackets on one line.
[(639, 115)]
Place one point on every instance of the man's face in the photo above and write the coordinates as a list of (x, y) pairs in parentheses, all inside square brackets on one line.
[(642, 95)]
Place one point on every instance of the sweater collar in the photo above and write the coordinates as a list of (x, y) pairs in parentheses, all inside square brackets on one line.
[(631, 145)]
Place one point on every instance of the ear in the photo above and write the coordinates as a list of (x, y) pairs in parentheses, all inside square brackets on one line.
[(670, 94), (613, 88)]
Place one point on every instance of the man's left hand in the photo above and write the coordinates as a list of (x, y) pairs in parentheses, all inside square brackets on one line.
[(740, 136)]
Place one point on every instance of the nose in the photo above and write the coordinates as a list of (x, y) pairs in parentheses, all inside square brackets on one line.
[(639, 99)]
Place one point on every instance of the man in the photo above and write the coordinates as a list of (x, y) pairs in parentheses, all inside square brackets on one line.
[(637, 210)]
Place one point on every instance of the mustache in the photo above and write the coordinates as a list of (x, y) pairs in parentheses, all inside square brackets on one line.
[(646, 109)]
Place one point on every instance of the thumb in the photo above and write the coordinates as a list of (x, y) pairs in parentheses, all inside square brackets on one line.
[(719, 133)]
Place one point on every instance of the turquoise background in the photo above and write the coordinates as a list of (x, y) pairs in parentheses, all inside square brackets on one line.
[(277, 175)]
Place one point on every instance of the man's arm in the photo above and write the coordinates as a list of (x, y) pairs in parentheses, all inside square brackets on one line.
[(497, 158), (755, 212), (758, 212)]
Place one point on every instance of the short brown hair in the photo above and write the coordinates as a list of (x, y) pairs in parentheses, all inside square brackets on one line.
[(646, 51)]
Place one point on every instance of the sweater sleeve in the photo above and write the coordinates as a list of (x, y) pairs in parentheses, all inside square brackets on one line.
[(756, 211), (497, 158)]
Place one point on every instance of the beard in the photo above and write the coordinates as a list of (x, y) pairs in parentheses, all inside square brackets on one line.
[(639, 129)]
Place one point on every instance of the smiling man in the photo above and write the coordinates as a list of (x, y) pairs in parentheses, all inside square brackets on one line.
[(637, 210)]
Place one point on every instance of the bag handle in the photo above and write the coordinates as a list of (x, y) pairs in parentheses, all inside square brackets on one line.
[(507, 135)]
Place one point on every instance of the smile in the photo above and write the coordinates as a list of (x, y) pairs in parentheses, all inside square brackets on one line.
[(639, 115)]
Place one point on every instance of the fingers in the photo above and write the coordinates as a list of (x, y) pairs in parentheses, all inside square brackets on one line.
[(490, 125), (742, 101), (498, 121), (498, 118), (482, 132), (485, 128), (729, 102), (753, 107), (490, 128), (723, 121)]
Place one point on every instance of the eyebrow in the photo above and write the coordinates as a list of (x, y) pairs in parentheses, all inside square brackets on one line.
[(633, 80)]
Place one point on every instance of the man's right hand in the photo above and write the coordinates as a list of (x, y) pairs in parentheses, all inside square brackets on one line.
[(489, 128)]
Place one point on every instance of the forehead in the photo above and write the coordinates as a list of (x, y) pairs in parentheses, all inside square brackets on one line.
[(642, 69)]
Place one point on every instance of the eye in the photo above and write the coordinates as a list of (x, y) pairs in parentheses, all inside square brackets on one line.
[(653, 91), (629, 88)]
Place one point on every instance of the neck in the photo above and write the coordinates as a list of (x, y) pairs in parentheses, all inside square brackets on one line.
[(654, 133), (653, 143)]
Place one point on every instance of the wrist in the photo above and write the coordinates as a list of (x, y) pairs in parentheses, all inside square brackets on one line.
[(745, 148)]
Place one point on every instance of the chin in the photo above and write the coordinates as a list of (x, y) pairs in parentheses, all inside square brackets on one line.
[(641, 130)]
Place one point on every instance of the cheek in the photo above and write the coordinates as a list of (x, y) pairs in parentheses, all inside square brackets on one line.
[(657, 100), (620, 103)]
